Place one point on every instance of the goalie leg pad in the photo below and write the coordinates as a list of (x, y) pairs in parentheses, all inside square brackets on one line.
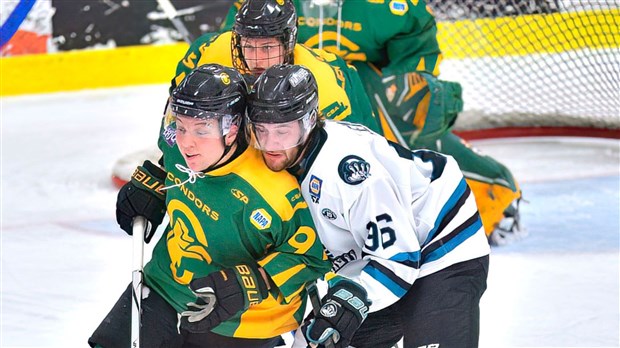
[(492, 183)]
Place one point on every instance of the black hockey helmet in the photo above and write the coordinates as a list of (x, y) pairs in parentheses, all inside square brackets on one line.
[(282, 94), (265, 18), (210, 91)]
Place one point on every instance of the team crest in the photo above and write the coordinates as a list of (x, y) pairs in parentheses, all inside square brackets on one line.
[(315, 188), (399, 7), (260, 219), (330, 309), (353, 170), (329, 214)]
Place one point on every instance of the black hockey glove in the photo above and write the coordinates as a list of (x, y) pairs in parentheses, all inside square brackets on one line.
[(221, 295), (142, 196), (343, 310)]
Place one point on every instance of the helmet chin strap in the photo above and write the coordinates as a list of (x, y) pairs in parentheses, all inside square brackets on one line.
[(227, 149), (305, 151)]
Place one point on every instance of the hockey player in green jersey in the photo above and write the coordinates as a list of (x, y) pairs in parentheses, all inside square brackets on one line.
[(240, 247), (393, 45), (264, 33)]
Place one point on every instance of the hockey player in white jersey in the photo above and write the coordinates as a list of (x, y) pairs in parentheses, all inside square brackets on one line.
[(401, 227)]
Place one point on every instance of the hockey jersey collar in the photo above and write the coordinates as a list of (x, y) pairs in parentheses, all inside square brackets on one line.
[(318, 137), (234, 162)]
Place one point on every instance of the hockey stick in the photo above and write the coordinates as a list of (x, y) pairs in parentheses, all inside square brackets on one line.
[(313, 293), (139, 229), (172, 15)]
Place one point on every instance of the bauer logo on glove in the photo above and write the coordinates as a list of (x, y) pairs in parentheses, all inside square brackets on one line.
[(222, 295), (142, 196)]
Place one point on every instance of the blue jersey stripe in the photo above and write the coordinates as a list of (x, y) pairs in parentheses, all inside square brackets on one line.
[(454, 239), (387, 278), (457, 199), (410, 259)]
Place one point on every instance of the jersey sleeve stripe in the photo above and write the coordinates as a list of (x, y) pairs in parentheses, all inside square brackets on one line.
[(449, 210), (268, 258), (292, 296), (387, 278), (442, 246), (283, 277), (410, 259)]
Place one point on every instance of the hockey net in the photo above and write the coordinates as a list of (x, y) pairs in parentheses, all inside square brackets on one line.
[(527, 66)]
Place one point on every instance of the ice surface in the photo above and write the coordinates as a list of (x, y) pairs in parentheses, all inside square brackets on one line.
[(65, 262)]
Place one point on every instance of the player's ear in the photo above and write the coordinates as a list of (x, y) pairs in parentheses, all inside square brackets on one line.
[(230, 138)]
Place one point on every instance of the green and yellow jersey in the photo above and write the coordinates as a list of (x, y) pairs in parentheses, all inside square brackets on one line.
[(397, 36), (341, 93), (237, 214), (393, 45)]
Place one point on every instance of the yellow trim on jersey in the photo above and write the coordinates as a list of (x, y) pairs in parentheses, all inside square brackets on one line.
[(329, 90), (421, 65), (280, 280), (295, 293), (268, 258), (272, 186), (528, 34), (260, 321), (283, 277), (437, 63), (216, 51)]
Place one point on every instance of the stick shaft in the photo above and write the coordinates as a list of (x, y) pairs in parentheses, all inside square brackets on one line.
[(315, 300), (139, 228)]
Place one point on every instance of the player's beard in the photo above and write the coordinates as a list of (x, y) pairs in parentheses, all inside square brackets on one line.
[(280, 160)]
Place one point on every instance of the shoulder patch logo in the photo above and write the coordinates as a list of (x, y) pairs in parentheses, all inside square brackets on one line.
[(399, 7), (170, 136), (240, 195), (315, 188), (260, 219), (353, 170), (329, 214), (294, 197)]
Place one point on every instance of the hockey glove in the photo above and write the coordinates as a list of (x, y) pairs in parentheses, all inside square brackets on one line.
[(221, 295), (343, 310), (142, 196)]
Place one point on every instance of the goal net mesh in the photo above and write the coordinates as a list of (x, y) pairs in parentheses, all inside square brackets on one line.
[(545, 63)]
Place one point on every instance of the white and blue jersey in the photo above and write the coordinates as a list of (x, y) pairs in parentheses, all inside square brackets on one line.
[(386, 215)]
